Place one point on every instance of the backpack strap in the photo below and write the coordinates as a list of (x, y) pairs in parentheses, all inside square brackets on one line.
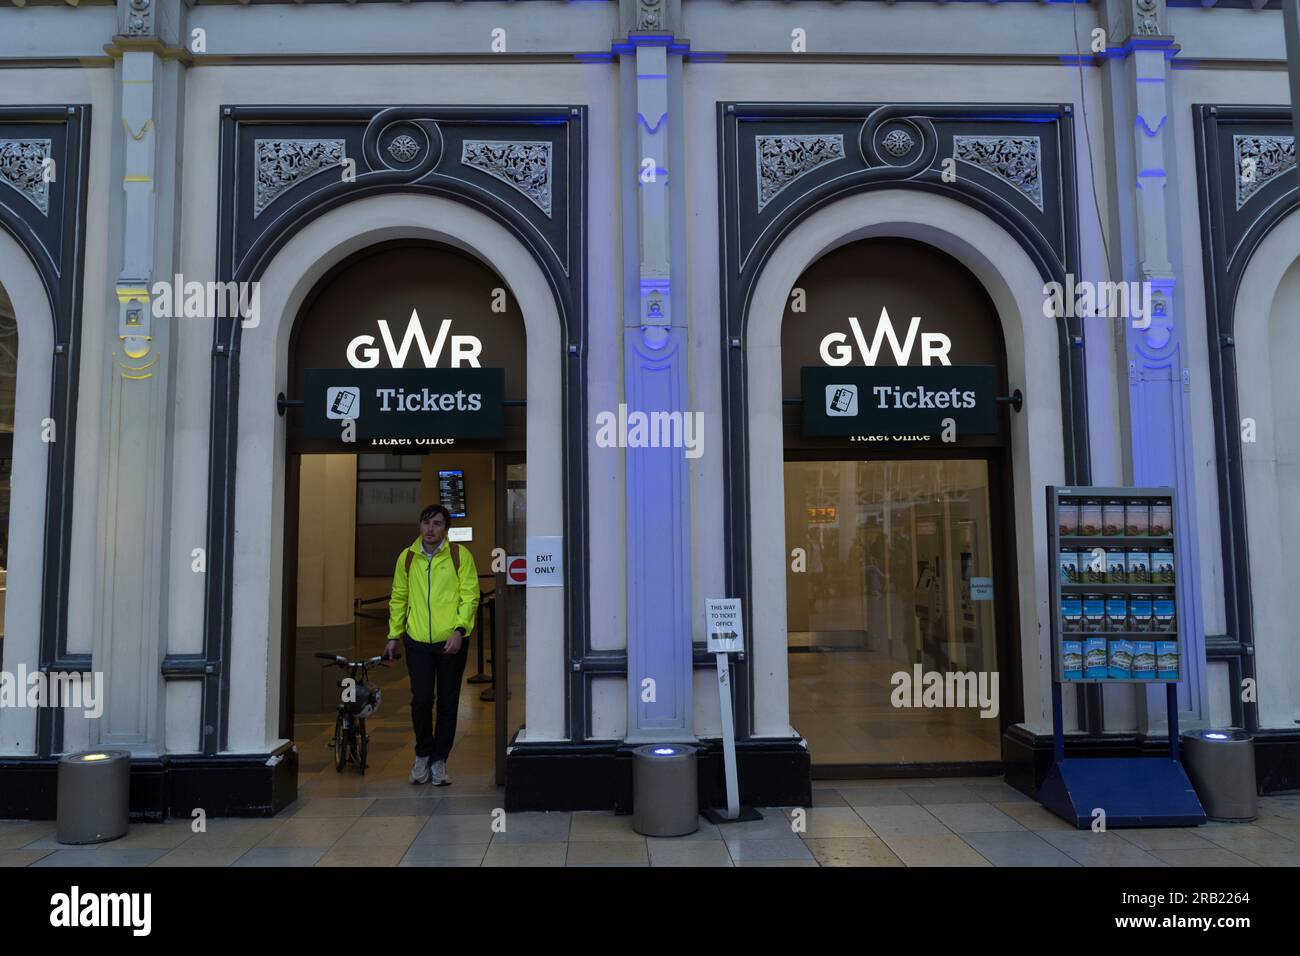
[(455, 559)]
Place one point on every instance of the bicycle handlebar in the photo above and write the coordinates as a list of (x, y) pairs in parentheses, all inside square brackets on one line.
[(344, 662)]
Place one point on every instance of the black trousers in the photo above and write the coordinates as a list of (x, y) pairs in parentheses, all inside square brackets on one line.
[(435, 678)]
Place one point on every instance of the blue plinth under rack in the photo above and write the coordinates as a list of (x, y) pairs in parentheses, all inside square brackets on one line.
[(1133, 792)]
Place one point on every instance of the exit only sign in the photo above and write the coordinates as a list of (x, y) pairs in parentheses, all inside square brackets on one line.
[(546, 561)]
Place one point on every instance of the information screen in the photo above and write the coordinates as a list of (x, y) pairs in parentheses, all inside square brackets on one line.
[(451, 491)]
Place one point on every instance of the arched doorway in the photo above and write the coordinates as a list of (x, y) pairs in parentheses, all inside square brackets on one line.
[(1039, 438), (253, 486), (901, 593), (26, 321), (8, 395), (1267, 348), (352, 501)]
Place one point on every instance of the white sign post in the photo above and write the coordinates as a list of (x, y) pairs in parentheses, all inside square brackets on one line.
[(726, 635)]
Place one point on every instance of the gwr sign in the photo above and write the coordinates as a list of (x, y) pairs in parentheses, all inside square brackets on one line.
[(934, 345), (362, 352)]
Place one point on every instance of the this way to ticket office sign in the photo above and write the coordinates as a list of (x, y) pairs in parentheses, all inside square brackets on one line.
[(725, 630)]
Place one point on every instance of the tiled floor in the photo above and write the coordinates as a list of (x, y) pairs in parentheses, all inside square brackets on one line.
[(381, 820)]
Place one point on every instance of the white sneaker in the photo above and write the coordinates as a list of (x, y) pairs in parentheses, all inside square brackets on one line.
[(420, 770), (439, 773)]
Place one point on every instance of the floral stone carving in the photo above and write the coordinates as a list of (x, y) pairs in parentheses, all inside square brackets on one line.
[(523, 165), (22, 166), (1014, 159), (282, 163), (784, 158), (1258, 160)]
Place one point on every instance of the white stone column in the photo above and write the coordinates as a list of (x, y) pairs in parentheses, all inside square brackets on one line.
[(134, 406)]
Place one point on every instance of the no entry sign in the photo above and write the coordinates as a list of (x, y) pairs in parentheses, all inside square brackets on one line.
[(516, 569)]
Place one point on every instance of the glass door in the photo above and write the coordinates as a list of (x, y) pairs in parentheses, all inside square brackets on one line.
[(891, 631)]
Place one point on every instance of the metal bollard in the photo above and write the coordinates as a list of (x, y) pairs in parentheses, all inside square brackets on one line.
[(1221, 766), (665, 790), (94, 796)]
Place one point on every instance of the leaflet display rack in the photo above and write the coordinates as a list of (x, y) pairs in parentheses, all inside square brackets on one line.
[(1115, 621)]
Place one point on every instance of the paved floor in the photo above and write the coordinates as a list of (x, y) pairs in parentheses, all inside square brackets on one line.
[(386, 821), (380, 819)]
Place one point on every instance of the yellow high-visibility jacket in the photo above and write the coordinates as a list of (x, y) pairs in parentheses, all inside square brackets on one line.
[(430, 600)]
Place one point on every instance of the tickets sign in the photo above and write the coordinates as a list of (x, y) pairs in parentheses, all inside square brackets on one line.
[(404, 403), (899, 400)]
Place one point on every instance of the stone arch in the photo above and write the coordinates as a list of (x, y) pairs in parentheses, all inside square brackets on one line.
[(253, 584), (1267, 295), (1014, 283), (27, 522)]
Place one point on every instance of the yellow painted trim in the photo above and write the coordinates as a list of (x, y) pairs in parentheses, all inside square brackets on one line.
[(148, 124), (137, 179), (122, 44), (136, 378), (139, 368)]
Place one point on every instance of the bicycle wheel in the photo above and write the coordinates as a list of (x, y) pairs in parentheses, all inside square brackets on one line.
[(352, 741), (363, 745), (340, 744)]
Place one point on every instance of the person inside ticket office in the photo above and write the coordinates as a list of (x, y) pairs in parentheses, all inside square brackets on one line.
[(431, 612)]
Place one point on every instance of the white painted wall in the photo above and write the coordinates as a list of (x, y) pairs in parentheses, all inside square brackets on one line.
[(36, 342), (327, 539)]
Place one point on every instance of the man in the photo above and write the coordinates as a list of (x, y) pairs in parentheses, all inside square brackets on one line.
[(431, 610)]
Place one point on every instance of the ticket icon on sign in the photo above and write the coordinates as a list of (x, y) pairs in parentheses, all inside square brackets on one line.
[(342, 402), (841, 400)]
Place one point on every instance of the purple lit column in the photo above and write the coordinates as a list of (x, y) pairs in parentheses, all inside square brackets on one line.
[(659, 651), (1157, 447)]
